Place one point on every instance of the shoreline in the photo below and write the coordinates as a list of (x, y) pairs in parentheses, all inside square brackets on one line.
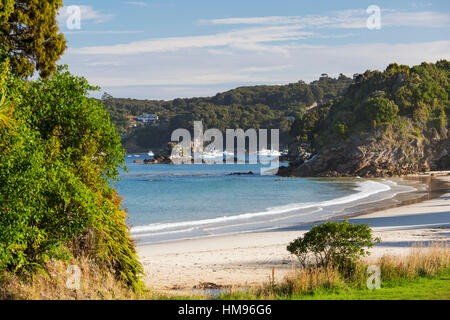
[(368, 195), (247, 259)]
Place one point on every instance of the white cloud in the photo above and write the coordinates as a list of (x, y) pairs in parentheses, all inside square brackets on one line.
[(105, 32), (416, 19), (265, 69), (137, 3), (87, 14), (198, 79), (245, 38), (202, 73), (348, 19), (260, 50)]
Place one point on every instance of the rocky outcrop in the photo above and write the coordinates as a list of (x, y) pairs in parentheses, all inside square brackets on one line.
[(375, 156), (159, 159), (241, 173)]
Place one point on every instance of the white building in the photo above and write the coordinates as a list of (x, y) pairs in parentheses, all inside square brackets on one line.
[(148, 117)]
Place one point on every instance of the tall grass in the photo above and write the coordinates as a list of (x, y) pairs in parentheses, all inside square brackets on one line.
[(50, 283), (99, 283), (420, 262)]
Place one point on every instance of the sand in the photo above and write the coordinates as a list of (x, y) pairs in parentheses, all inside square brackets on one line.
[(248, 259)]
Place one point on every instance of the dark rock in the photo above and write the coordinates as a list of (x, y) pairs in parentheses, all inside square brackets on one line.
[(207, 285), (241, 173)]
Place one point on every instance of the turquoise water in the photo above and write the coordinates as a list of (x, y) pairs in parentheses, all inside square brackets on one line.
[(171, 202)]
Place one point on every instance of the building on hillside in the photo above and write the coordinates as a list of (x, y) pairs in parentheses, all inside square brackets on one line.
[(148, 118)]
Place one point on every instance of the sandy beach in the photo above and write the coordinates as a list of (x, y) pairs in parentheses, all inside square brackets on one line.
[(248, 259)]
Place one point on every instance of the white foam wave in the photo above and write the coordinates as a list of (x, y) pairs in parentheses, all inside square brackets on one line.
[(363, 190)]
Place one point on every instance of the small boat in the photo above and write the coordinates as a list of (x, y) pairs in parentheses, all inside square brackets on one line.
[(214, 154), (150, 153), (270, 153)]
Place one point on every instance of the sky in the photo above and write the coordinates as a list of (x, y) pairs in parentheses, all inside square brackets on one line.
[(155, 49)]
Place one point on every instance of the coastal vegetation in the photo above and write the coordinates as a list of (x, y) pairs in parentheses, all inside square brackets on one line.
[(386, 123), (423, 274), (59, 160), (337, 244), (30, 37), (60, 155), (58, 164), (259, 107)]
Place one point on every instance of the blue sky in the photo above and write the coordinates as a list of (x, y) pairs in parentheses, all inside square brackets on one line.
[(182, 48)]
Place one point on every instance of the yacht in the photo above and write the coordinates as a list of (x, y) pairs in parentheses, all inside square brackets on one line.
[(271, 153), (214, 154), (227, 154)]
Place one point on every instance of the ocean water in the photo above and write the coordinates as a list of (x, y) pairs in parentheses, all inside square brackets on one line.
[(173, 202)]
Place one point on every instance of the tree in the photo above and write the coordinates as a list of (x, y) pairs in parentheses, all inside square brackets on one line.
[(339, 244), (106, 96), (58, 164), (29, 35), (381, 110), (5, 106)]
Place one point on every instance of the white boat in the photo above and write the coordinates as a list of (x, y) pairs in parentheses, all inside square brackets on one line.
[(270, 153), (150, 153), (214, 154), (228, 154)]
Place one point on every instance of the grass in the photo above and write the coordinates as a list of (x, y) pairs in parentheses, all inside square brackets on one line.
[(423, 274), (422, 288), (96, 283)]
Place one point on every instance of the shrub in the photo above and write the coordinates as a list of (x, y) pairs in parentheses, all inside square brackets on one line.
[(381, 110), (339, 244), (58, 164)]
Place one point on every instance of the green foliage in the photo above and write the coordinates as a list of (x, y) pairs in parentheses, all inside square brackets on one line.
[(381, 110), (5, 107), (29, 34), (340, 129), (244, 107), (310, 124), (57, 166), (338, 244), (398, 97)]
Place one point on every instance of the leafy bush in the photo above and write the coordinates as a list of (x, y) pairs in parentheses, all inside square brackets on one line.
[(381, 110), (339, 244), (58, 164)]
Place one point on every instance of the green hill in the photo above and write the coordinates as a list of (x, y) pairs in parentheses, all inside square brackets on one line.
[(387, 123), (245, 107)]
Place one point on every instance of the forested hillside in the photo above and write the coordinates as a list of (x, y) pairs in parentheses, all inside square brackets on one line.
[(245, 107), (391, 122)]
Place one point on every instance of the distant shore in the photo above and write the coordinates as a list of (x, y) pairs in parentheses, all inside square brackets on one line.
[(248, 259)]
